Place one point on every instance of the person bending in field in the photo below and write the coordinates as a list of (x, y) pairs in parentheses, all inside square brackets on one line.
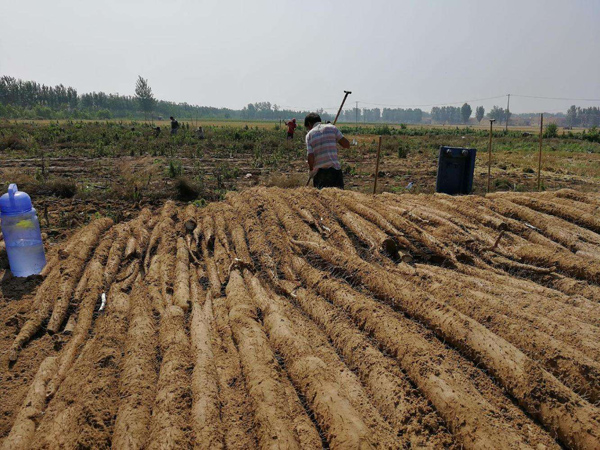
[(174, 125), (291, 124), (321, 147)]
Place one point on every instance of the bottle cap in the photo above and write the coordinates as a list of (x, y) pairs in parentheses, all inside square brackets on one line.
[(15, 202)]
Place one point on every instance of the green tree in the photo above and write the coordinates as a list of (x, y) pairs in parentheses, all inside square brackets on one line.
[(144, 96), (572, 116), (479, 113), (465, 112), (497, 114)]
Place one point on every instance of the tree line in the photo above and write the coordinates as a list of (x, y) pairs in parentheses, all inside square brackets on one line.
[(32, 100), (583, 117)]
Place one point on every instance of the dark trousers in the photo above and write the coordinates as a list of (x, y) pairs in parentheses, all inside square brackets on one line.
[(329, 177)]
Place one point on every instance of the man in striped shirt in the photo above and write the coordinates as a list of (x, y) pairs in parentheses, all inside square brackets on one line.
[(321, 148)]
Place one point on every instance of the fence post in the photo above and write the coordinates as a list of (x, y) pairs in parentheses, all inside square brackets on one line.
[(539, 180), (490, 156), (377, 166)]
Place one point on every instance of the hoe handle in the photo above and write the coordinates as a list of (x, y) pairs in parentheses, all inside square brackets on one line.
[(346, 94)]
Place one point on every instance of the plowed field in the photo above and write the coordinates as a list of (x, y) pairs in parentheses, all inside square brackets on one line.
[(305, 319)]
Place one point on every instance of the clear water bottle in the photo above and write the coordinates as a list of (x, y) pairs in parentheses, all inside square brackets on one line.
[(21, 229)]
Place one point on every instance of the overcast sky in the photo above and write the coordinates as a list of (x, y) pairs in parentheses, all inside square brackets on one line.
[(304, 54)]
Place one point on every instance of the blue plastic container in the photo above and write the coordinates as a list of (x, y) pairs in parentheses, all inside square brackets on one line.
[(22, 236), (455, 170)]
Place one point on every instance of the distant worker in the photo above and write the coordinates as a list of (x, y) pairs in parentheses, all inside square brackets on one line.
[(321, 148), (174, 125), (200, 133), (157, 132), (291, 124)]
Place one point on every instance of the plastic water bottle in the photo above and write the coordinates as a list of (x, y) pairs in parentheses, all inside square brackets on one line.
[(21, 229)]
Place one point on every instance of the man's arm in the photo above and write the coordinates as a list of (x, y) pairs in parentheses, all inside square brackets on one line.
[(311, 161), (345, 143)]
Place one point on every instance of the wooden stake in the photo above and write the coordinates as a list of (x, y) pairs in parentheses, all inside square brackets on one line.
[(540, 155), (377, 166), (490, 157)]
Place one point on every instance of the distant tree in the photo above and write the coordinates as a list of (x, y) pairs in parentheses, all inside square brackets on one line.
[(479, 113), (572, 116), (144, 96), (497, 114), (465, 112)]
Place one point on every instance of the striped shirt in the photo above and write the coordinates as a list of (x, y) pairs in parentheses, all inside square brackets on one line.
[(321, 141)]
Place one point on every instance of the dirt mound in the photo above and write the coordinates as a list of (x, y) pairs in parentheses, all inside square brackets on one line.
[(306, 319)]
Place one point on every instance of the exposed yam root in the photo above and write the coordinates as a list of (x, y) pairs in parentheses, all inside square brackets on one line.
[(77, 416), (417, 234), (265, 385), (566, 212), (238, 238), (26, 422), (257, 242), (327, 223), (307, 330), (220, 230), (538, 392), (576, 266), (565, 362), (189, 218), (207, 245), (572, 320), (348, 427), (165, 225), (137, 385), (290, 345), (59, 287), (86, 295), (582, 197), (236, 413), (181, 295), (169, 426), (559, 230), (409, 414), (205, 414), (460, 405), (72, 270), (115, 255), (375, 218)]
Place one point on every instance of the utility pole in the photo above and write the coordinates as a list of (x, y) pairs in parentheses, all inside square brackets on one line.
[(356, 116), (507, 113)]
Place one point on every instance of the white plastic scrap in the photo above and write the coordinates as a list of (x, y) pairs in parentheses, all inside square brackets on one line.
[(528, 225), (103, 304)]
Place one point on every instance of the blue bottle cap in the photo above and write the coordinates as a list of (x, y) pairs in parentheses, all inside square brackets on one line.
[(15, 202)]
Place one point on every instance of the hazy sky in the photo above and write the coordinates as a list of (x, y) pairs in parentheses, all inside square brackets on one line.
[(304, 54)]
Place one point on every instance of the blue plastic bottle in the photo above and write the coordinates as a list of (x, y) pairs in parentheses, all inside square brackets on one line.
[(21, 229)]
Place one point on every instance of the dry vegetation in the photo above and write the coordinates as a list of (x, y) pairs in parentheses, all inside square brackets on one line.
[(304, 319)]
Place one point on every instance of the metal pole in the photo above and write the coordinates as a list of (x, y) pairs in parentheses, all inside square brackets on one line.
[(507, 113), (540, 155), (490, 156), (377, 166)]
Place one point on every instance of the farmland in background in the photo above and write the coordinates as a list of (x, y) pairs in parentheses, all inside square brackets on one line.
[(77, 170)]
